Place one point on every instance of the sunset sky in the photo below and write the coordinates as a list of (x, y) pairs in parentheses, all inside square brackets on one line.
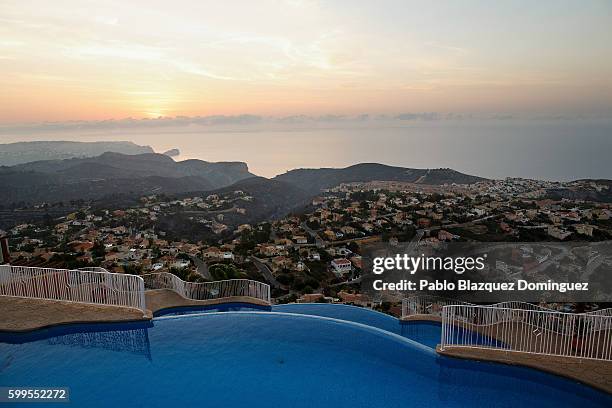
[(82, 60)]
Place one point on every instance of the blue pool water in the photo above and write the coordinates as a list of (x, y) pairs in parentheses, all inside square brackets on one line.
[(267, 359), (224, 307), (345, 312), (427, 333)]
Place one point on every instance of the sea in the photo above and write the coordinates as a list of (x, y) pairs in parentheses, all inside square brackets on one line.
[(550, 149)]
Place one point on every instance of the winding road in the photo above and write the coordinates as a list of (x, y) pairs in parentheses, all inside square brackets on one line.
[(201, 267), (266, 272)]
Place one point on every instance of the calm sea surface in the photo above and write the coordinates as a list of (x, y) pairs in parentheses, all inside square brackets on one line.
[(555, 149)]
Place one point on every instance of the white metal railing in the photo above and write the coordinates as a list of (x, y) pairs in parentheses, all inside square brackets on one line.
[(534, 331), (601, 312), (208, 290), (427, 305), (101, 288), (424, 304)]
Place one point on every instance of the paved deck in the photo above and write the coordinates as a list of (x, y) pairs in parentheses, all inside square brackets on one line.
[(24, 314), (21, 314), (165, 298), (422, 318)]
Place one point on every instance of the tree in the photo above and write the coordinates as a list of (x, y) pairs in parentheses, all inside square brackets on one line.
[(223, 272), (183, 256), (132, 269), (353, 247), (98, 250)]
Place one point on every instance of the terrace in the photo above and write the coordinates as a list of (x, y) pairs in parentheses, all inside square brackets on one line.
[(32, 298), (577, 346), (571, 345)]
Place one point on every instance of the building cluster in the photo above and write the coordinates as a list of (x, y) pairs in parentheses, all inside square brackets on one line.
[(316, 249)]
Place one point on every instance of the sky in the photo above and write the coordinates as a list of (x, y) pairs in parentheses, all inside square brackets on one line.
[(90, 60)]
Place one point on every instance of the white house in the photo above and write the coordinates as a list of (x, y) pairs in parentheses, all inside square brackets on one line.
[(314, 256), (341, 266), (181, 263), (300, 239), (343, 251)]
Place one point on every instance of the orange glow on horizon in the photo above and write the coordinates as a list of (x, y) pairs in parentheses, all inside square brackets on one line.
[(71, 61)]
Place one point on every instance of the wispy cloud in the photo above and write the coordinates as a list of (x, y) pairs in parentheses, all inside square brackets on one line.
[(245, 122), (97, 59), (191, 68), (117, 50)]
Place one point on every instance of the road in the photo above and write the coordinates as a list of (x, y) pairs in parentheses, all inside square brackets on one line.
[(350, 282), (201, 267), (211, 212), (320, 242), (461, 224), (267, 273), (414, 242), (592, 265)]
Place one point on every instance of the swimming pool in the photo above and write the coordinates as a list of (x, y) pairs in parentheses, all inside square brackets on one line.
[(235, 359), (427, 333)]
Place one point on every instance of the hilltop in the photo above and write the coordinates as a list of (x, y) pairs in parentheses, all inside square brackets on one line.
[(315, 180)]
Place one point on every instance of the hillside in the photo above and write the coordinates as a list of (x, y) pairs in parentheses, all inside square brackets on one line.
[(270, 199), (314, 180), (25, 152), (113, 174), (597, 190)]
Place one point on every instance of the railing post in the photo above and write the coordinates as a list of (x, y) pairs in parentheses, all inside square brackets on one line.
[(141, 295), (445, 311)]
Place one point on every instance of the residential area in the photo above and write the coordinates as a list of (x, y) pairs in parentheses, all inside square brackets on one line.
[(311, 255)]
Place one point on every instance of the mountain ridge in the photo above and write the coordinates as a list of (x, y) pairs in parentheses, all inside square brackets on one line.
[(113, 173), (315, 180), (25, 152)]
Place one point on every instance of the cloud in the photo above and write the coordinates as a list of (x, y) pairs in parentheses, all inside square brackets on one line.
[(195, 69), (116, 50)]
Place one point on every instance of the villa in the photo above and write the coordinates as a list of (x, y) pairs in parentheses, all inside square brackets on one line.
[(341, 266), (300, 239)]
